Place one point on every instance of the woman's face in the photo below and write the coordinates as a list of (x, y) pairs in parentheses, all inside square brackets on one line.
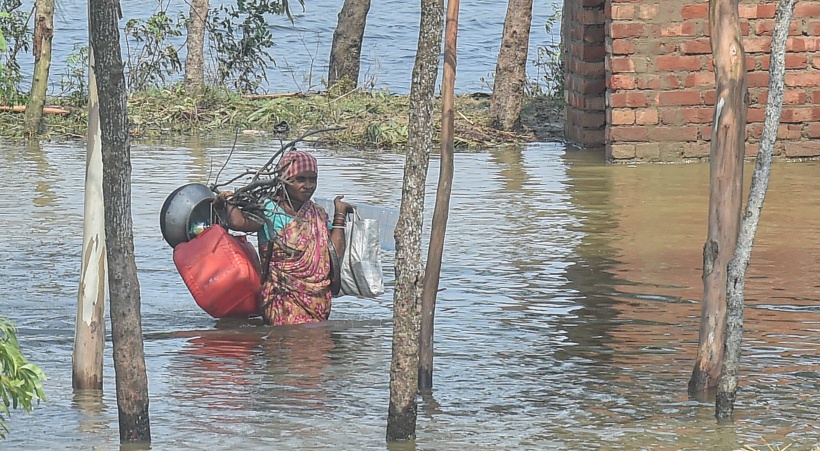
[(302, 186)]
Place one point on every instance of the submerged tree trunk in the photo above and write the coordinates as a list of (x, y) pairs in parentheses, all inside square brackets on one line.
[(432, 272), (89, 330), (43, 34), (511, 69), (401, 415), (126, 327), (346, 51), (726, 188), (727, 388), (195, 61)]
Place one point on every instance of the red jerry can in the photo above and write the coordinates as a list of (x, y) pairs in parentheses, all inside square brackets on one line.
[(222, 272)]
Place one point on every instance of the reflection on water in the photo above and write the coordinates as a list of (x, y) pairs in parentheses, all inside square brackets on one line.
[(568, 318), (92, 409)]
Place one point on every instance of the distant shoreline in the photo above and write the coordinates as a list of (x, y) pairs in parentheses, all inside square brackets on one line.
[(370, 119)]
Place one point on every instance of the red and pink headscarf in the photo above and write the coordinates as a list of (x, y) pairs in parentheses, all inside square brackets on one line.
[(295, 162)]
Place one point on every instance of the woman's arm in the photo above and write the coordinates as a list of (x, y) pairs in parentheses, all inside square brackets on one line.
[(337, 236), (233, 215), (337, 233)]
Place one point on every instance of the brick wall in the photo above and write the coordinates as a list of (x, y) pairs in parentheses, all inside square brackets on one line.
[(585, 77), (659, 78)]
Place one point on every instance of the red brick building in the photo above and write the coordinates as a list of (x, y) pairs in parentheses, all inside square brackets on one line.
[(640, 83)]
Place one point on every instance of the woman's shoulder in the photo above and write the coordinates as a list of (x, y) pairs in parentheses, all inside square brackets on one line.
[(319, 211), (320, 208), (273, 208)]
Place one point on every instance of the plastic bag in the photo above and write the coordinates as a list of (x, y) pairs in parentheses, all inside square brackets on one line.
[(361, 270)]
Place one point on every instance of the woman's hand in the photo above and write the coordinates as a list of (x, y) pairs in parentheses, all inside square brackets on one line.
[(337, 235), (219, 201), (340, 207)]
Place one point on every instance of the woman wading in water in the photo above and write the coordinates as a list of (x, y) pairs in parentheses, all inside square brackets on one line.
[(297, 243)]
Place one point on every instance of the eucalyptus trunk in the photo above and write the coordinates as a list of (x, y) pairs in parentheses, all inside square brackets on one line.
[(346, 51), (89, 330), (126, 327), (727, 388), (726, 189), (441, 213), (43, 34), (195, 44), (511, 68), (402, 411)]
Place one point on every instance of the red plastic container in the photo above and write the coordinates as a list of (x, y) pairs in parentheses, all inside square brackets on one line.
[(222, 273)]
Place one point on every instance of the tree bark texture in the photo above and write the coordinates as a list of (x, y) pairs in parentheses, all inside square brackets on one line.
[(727, 388), (346, 51), (511, 68), (432, 273), (126, 328), (726, 188), (194, 60), (401, 416), (43, 34), (89, 330)]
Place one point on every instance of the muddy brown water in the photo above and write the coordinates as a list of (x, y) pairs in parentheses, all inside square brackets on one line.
[(568, 318)]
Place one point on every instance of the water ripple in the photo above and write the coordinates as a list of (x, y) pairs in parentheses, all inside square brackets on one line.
[(568, 315)]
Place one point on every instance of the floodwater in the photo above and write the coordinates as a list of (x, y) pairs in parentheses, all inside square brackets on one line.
[(303, 47), (568, 318)]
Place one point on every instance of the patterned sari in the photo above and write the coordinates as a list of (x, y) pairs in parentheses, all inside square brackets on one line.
[(297, 289)]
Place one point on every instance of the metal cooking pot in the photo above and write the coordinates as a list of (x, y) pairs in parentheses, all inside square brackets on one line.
[(185, 206)]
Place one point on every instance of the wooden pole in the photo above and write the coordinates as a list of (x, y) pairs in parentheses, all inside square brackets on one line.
[(728, 145), (727, 388), (89, 329), (24, 108), (432, 273)]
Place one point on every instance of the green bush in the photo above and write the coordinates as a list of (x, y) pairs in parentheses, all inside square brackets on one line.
[(549, 80), (241, 39), (152, 59), (13, 34), (21, 382)]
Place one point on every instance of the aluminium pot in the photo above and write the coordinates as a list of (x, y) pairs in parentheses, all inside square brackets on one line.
[(186, 206)]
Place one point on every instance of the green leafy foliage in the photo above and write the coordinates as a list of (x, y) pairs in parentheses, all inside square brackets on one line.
[(15, 31), (386, 134), (74, 81), (15, 37), (3, 16), (9, 81), (241, 39), (240, 42), (549, 80), (21, 383), (152, 57)]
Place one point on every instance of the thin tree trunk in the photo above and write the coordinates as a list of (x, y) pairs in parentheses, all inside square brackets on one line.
[(432, 272), (727, 388), (126, 328), (726, 189), (43, 34), (346, 51), (89, 333), (511, 69), (194, 60), (401, 415)]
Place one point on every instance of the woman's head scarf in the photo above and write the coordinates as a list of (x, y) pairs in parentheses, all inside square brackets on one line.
[(295, 162)]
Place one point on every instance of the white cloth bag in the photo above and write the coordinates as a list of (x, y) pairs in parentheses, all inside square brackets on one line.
[(361, 270)]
